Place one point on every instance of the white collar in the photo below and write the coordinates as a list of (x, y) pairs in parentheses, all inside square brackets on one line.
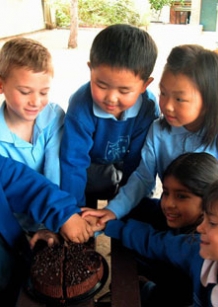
[(209, 274), (131, 112)]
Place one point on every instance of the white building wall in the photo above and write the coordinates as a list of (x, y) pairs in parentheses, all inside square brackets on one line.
[(20, 16), (195, 12), (143, 6)]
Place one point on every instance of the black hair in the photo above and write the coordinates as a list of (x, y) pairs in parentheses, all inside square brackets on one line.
[(210, 200), (201, 66), (126, 47), (196, 171)]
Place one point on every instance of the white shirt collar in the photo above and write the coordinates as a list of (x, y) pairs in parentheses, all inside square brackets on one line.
[(209, 273), (131, 112)]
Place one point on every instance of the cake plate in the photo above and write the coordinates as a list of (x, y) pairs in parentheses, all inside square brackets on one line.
[(57, 302)]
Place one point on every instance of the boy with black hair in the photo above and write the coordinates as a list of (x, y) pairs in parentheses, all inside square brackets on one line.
[(108, 118)]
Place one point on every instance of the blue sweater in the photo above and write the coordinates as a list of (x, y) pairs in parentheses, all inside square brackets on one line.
[(182, 251), (25, 190), (161, 147), (43, 153), (93, 136)]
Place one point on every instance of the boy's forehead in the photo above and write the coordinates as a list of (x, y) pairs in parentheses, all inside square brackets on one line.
[(212, 208), (115, 76), (27, 70)]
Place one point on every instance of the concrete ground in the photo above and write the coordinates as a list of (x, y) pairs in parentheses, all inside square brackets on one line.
[(71, 70)]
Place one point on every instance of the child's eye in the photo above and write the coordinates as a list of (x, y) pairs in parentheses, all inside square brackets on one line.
[(24, 93), (179, 99), (44, 94), (211, 219), (165, 193), (161, 93), (124, 92), (102, 86), (182, 196), (212, 224)]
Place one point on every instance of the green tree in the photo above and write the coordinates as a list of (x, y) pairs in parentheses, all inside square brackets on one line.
[(157, 5)]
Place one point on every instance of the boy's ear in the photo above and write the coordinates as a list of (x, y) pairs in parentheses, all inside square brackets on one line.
[(89, 65), (146, 84)]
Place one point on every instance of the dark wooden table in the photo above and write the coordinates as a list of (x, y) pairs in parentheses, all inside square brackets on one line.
[(124, 282), (124, 277), (25, 301)]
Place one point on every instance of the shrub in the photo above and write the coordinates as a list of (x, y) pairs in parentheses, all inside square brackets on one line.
[(103, 12), (94, 13)]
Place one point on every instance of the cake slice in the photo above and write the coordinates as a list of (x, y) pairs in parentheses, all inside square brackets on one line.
[(83, 269), (47, 271)]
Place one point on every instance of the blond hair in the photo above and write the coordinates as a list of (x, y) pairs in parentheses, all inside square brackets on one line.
[(26, 53)]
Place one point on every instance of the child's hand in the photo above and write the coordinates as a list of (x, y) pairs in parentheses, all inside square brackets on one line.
[(76, 229), (94, 222), (103, 215), (50, 237)]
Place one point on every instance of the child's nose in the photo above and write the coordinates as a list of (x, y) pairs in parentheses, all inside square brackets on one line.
[(112, 97), (169, 202), (168, 105), (35, 100), (200, 227)]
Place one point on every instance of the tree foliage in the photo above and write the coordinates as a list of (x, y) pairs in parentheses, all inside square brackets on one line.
[(157, 5), (95, 13), (104, 12)]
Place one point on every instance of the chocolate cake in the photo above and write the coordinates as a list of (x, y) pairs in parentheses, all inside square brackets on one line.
[(65, 271)]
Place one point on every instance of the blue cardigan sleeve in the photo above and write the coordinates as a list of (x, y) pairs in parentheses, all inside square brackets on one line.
[(76, 143), (148, 113), (24, 190), (179, 250)]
